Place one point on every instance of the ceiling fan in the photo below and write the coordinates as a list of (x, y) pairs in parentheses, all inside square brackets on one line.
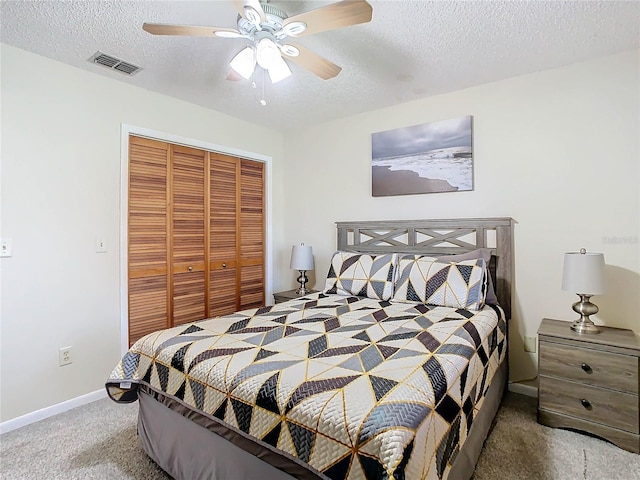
[(268, 30)]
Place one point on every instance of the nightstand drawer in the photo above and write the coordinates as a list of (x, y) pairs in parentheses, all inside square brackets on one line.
[(615, 409), (602, 369)]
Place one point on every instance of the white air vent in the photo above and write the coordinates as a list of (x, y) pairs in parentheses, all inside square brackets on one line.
[(114, 63)]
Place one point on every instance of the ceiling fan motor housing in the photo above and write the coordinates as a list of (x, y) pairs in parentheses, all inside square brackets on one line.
[(274, 17)]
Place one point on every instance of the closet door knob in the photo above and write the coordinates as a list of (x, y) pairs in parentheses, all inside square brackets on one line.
[(190, 269)]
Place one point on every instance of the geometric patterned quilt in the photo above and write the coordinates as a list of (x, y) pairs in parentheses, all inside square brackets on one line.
[(353, 387)]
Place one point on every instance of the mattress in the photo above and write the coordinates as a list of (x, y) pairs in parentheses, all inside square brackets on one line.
[(340, 387)]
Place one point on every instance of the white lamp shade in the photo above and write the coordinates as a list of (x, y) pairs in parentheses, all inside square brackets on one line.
[(279, 70), (266, 53), (301, 257), (583, 273), (244, 63)]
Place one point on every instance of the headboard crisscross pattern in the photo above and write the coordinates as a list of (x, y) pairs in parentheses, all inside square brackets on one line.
[(438, 237)]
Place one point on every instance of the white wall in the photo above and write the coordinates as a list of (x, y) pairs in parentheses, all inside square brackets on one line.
[(61, 131), (557, 151)]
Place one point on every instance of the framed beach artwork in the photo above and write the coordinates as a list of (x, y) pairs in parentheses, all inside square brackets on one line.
[(430, 158)]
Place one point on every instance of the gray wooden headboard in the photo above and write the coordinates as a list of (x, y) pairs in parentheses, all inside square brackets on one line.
[(439, 237)]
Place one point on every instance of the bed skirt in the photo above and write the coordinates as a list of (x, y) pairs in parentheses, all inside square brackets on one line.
[(187, 451)]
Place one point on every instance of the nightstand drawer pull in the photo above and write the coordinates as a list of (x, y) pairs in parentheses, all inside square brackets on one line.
[(586, 404), (586, 368), (224, 265)]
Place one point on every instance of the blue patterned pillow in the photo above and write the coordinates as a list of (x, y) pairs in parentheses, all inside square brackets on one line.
[(361, 275), (449, 284)]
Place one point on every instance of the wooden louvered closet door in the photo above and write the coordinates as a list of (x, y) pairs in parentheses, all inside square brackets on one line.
[(223, 243), (196, 235), (148, 247), (188, 242), (236, 234), (251, 234)]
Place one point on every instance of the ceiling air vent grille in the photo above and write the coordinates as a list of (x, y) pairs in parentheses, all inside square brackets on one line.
[(114, 63)]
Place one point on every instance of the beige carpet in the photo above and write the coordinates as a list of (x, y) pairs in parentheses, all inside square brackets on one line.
[(520, 448), (98, 441)]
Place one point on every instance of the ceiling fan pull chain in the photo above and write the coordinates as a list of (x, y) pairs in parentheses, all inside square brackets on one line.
[(263, 102)]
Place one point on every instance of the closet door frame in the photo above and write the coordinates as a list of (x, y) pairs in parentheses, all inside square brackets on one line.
[(127, 130)]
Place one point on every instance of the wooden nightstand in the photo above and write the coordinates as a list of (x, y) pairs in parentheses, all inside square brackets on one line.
[(589, 382), (280, 297)]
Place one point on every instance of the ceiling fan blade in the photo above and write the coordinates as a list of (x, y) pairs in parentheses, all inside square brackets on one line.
[(243, 5), (335, 15), (233, 76), (189, 30), (313, 62)]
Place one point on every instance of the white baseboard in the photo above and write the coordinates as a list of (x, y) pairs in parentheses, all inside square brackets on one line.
[(47, 412), (523, 389)]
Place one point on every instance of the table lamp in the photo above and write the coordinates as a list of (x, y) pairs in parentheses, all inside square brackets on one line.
[(583, 274), (302, 260)]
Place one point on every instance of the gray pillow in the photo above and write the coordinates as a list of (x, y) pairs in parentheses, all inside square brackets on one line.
[(484, 253)]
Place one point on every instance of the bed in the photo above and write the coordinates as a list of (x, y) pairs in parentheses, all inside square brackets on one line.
[(395, 370)]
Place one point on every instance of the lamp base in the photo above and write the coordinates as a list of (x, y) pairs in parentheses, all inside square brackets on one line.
[(585, 308), (302, 280)]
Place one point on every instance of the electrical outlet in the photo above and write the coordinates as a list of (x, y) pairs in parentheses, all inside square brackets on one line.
[(530, 344), (64, 356)]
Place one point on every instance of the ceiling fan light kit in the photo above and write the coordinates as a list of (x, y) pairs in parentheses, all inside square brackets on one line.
[(266, 53), (279, 70), (244, 63), (268, 29)]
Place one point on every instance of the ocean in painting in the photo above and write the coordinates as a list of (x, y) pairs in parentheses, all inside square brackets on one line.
[(454, 165)]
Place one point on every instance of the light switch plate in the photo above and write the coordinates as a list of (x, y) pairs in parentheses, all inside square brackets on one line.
[(5, 247), (101, 246)]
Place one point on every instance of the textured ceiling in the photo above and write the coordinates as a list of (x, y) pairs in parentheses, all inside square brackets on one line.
[(411, 49)]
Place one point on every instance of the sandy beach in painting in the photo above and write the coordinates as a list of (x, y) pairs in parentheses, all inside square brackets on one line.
[(453, 165), (387, 182)]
